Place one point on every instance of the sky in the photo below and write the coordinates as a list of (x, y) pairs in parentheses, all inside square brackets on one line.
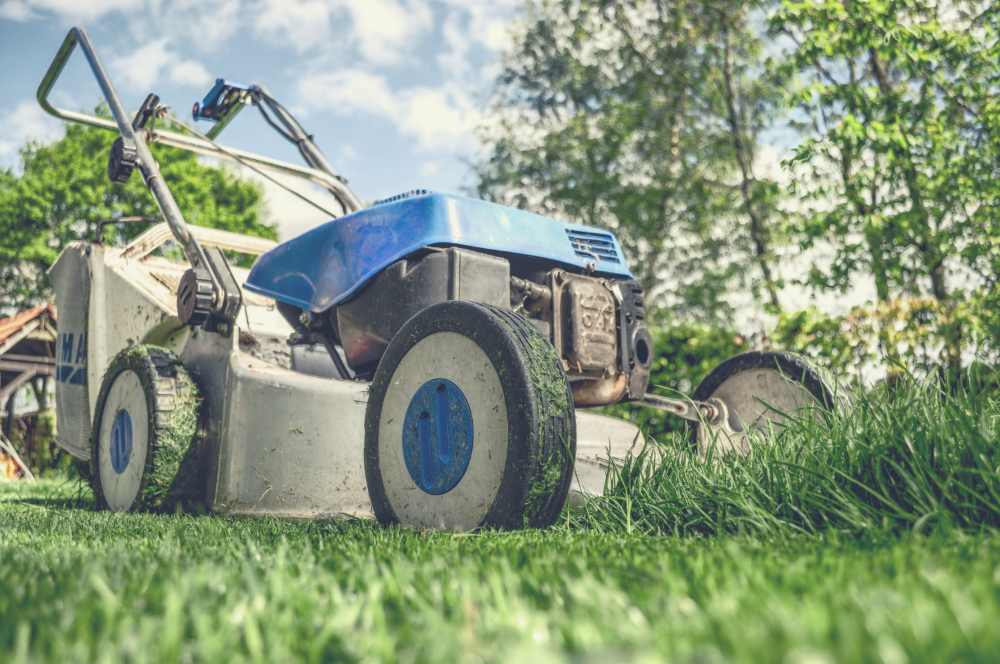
[(391, 89)]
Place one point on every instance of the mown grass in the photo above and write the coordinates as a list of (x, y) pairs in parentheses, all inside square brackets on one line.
[(760, 568)]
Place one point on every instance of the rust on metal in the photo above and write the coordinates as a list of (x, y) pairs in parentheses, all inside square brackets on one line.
[(589, 341), (536, 296), (599, 392)]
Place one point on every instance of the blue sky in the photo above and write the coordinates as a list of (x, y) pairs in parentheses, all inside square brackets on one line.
[(391, 89)]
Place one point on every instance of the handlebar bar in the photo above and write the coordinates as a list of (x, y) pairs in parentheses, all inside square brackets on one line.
[(339, 189), (123, 125)]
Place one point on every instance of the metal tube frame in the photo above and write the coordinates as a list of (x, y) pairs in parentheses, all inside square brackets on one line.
[(341, 191), (330, 182), (123, 125), (304, 141), (694, 411)]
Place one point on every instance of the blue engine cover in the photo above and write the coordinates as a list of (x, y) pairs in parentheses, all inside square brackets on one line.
[(323, 267)]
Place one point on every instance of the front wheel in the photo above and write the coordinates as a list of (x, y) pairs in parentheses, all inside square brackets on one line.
[(143, 444), (470, 423)]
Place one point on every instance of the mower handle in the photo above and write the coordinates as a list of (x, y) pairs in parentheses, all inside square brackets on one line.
[(347, 198), (123, 125)]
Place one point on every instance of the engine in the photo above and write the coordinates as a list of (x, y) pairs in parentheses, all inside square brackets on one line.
[(595, 322)]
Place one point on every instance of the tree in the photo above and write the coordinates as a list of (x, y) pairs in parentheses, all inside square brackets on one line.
[(64, 192), (901, 153), (642, 117), (747, 98)]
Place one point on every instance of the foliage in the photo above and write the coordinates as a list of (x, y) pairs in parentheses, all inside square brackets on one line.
[(913, 328), (64, 192), (81, 586), (901, 150), (841, 343), (642, 117), (901, 459), (685, 354)]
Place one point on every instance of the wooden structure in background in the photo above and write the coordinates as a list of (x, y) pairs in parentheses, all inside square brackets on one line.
[(27, 354)]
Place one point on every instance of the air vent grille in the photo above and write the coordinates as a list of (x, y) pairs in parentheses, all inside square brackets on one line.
[(594, 245), (407, 194)]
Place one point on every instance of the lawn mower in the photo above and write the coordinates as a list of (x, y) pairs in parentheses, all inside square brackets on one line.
[(427, 359)]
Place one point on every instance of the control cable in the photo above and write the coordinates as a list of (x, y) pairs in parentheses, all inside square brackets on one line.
[(246, 163)]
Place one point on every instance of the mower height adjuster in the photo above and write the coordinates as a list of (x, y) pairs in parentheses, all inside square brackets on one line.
[(194, 297)]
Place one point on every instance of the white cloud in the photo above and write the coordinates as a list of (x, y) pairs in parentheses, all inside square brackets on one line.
[(144, 67), (26, 121), (190, 72), (85, 10), (454, 61), (382, 31), (439, 118), (349, 91), (488, 19), (17, 11), (298, 24), (206, 26), (429, 169), (386, 29)]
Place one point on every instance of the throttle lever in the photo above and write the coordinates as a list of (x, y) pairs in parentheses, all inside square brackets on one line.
[(145, 112)]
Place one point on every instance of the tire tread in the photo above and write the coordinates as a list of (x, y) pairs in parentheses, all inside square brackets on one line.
[(556, 424), (171, 476)]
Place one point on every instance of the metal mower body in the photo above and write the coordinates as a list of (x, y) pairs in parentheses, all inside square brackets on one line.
[(273, 440)]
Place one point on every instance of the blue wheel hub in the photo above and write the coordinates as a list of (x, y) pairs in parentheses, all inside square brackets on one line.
[(437, 436), (121, 441)]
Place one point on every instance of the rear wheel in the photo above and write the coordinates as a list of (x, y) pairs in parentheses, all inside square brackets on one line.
[(470, 423), (761, 387), (143, 440)]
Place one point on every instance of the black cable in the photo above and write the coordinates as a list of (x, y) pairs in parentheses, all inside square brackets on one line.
[(286, 119), (274, 103), (331, 348), (256, 170), (275, 126)]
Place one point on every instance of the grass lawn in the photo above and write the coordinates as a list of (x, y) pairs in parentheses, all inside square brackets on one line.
[(76, 585), (868, 537)]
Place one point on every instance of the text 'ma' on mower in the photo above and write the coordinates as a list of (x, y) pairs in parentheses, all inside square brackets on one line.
[(423, 359)]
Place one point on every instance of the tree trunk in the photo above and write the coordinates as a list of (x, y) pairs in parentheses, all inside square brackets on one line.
[(874, 239), (927, 243), (758, 228)]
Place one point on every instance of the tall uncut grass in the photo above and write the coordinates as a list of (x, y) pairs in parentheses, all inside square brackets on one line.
[(904, 461)]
